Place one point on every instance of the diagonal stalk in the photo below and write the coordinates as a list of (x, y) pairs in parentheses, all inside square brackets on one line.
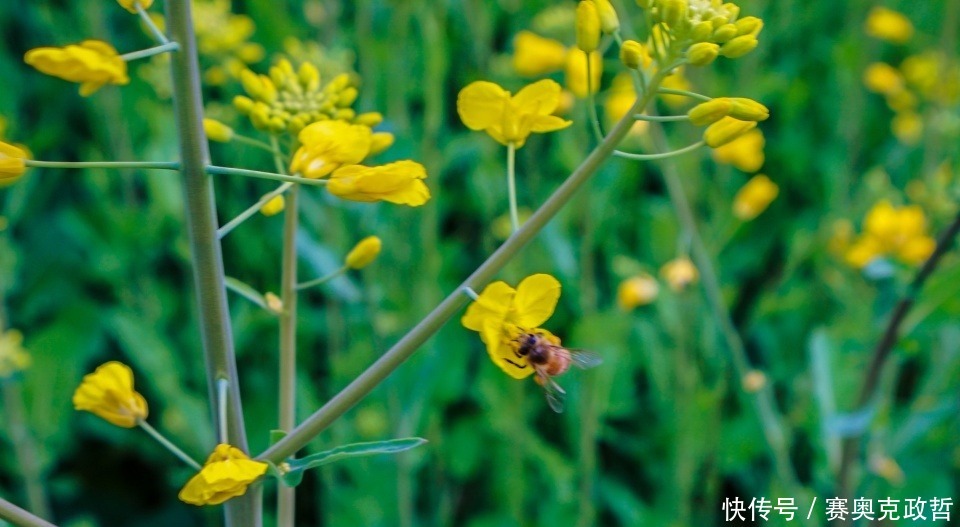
[(456, 300), (215, 329), (17, 516)]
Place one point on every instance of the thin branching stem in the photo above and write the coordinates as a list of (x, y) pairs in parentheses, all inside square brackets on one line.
[(149, 52)]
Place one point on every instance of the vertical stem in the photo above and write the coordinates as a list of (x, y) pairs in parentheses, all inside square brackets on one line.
[(205, 248), (286, 504), (24, 448), (512, 185)]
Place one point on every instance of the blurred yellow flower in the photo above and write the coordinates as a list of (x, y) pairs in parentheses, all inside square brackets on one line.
[(725, 131), (329, 145), (501, 313), (274, 206), (880, 77), (676, 81), (588, 26), (484, 106), (887, 24), (364, 252), (754, 197), (637, 291), (575, 74), (226, 474), (753, 381), (619, 99), (217, 131), (679, 273), (534, 55), (900, 232), (907, 127), (108, 393), (400, 182), (92, 63), (744, 152), (131, 5), (12, 163), (13, 358)]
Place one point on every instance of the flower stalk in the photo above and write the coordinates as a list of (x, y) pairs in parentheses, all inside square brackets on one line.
[(512, 185), (205, 247), (174, 449), (286, 497), (17, 516)]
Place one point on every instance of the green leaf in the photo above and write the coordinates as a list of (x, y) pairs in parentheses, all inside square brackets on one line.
[(277, 435), (294, 474)]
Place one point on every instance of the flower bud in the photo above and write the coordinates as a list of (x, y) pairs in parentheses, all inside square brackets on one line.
[(379, 142), (370, 119), (726, 130), (609, 22), (702, 32), (673, 12), (637, 291), (750, 25), (679, 273), (588, 26), (217, 131), (754, 197), (732, 10), (12, 163), (710, 112), (243, 104), (748, 109), (364, 253), (274, 304), (724, 33), (702, 54), (632, 54), (273, 207), (753, 381), (739, 46)]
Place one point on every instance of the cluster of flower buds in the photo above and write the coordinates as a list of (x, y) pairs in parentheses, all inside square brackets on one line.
[(702, 29), (728, 118), (288, 100)]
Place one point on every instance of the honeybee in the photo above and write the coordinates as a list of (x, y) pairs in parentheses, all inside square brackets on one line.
[(550, 360)]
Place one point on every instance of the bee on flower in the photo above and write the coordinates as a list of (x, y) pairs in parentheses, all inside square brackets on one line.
[(508, 321)]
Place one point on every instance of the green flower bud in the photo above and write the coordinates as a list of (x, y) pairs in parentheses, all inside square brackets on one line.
[(710, 112), (632, 54)]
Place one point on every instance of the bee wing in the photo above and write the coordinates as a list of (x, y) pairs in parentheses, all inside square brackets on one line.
[(555, 394), (585, 359)]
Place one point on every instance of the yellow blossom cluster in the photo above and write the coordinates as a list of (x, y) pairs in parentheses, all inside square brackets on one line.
[(889, 231), (13, 358), (287, 100), (925, 76), (223, 40)]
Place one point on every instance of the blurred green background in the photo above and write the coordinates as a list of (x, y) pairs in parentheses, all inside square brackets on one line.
[(94, 266)]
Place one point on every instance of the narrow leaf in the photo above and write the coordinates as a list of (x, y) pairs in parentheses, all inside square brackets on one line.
[(294, 474)]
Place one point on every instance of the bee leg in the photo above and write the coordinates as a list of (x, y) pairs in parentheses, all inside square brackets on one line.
[(521, 366)]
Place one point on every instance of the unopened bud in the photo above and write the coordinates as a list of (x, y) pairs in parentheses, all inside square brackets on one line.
[(725, 33), (750, 25), (274, 304), (748, 109), (710, 112), (726, 130), (702, 54), (645, 4), (217, 131), (370, 119), (702, 32), (739, 46), (588, 26), (364, 253), (673, 12), (609, 22), (380, 141), (273, 207), (632, 54)]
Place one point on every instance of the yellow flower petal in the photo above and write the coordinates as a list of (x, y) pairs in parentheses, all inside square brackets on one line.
[(493, 303), (12, 163), (481, 104), (536, 299), (502, 350), (534, 55), (226, 474), (400, 182), (92, 63), (329, 145), (108, 393), (540, 98)]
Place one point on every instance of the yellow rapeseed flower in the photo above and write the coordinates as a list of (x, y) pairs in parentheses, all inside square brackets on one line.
[(887, 24), (880, 77), (534, 55), (754, 197), (744, 152), (131, 5), (679, 273), (226, 474), (575, 74), (485, 106), (907, 127), (217, 131), (13, 358), (637, 291), (900, 232), (676, 81), (400, 182), (501, 313), (329, 145), (12, 163), (92, 63), (364, 253), (108, 393)]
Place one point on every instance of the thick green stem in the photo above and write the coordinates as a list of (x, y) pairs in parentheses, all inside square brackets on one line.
[(201, 218), (455, 301), (286, 497), (17, 516)]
